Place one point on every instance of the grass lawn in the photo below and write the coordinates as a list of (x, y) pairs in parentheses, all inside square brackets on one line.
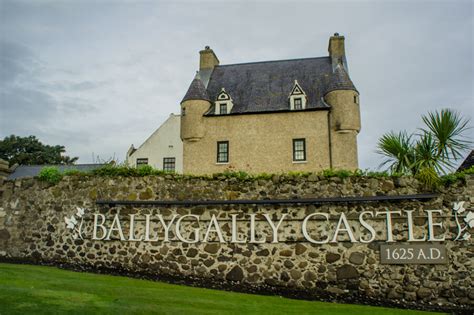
[(26, 289)]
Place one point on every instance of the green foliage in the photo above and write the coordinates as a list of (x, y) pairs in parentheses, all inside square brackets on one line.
[(30, 151), (337, 173), (145, 170), (452, 178), (428, 176), (73, 172), (430, 153), (447, 127), (240, 175), (50, 175), (398, 150)]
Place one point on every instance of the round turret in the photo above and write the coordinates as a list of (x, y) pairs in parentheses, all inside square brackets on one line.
[(194, 105)]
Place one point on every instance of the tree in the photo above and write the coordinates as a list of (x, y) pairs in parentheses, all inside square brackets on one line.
[(430, 152), (30, 151)]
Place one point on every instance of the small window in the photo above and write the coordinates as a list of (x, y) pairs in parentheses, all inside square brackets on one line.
[(222, 151), (169, 164), (223, 109), (299, 150), (356, 99), (142, 161), (298, 104), (183, 111)]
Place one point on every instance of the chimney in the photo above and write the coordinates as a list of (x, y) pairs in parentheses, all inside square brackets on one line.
[(208, 59), (337, 51)]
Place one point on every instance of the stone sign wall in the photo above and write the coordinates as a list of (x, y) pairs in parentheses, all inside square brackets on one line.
[(249, 246)]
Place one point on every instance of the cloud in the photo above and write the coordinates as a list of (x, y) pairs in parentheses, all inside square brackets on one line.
[(96, 77)]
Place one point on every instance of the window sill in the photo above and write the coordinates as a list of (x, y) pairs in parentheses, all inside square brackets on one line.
[(299, 162), (222, 163)]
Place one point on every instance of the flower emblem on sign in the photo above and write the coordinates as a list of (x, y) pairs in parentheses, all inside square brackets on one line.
[(74, 222), (463, 224)]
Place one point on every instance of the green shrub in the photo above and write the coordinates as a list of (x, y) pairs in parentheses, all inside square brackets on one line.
[(145, 170), (428, 177), (50, 175), (452, 178), (73, 172), (337, 173)]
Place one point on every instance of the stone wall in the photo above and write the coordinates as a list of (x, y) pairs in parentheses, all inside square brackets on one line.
[(33, 229)]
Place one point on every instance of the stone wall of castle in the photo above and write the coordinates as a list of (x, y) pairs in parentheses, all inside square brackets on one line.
[(33, 228)]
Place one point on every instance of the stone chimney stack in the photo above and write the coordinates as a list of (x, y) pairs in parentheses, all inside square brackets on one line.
[(208, 59), (337, 51)]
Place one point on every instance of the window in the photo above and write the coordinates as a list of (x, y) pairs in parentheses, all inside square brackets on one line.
[(222, 151), (297, 98), (223, 109), (298, 104), (356, 99), (169, 164), (142, 161), (223, 104), (299, 150), (183, 111)]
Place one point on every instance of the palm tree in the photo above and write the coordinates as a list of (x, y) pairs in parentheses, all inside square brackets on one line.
[(430, 152)]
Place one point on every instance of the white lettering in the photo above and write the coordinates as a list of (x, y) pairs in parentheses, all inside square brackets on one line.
[(196, 230), (431, 225), (252, 230), (274, 227), (166, 227), (421, 253), (305, 228), (216, 229), (434, 251), (99, 225), (116, 226), (147, 229), (234, 238), (367, 226), (411, 234), (388, 215), (347, 228), (131, 236)]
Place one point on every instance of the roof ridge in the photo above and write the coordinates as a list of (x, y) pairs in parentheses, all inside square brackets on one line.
[(268, 61)]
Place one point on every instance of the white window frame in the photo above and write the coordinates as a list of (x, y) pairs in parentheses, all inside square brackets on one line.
[(223, 99), (297, 93)]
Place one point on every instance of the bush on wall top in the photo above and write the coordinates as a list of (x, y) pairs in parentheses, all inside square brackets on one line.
[(52, 175)]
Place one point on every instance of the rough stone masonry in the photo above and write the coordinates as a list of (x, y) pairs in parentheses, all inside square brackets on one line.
[(36, 226)]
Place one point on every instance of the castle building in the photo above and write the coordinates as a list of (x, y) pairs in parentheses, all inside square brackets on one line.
[(271, 116)]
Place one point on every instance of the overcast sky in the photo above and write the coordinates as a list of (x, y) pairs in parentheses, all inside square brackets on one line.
[(97, 76)]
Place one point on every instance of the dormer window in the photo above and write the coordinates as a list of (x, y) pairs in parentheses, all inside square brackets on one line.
[(222, 109), (297, 97), (298, 104), (223, 104)]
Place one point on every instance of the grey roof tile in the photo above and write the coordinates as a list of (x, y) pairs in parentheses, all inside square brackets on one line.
[(33, 170), (467, 163), (260, 87), (196, 90), (340, 80)]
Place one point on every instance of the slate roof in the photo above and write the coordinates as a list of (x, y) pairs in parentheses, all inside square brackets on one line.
[(196, 90), (33, 170), (340, 80), (468, 162), (265, 86)]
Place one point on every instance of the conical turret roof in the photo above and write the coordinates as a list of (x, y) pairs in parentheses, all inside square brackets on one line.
[(196, 90), (340, 80)]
